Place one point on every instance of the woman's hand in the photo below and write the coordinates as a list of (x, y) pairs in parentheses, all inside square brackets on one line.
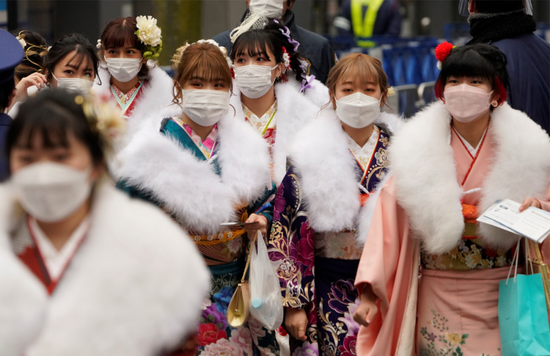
[(529, 202), (37, 79), (296, 323), (260, 223), (368, 309)]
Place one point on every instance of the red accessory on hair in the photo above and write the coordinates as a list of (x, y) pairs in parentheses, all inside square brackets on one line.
[(443, 50), (232, 72)]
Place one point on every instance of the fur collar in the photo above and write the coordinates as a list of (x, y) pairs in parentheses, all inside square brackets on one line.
[(425, 173), (127, 290), (156, 95), (328, 172), (293, 111), (199, 198)]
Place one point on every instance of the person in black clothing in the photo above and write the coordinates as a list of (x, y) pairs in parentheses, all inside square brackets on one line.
[(315, 49), (12, 54), (509, 25)]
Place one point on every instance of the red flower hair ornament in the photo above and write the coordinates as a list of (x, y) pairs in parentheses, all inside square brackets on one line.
[(442, 51)]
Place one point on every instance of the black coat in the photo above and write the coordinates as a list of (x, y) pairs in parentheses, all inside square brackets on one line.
[(5, 122)]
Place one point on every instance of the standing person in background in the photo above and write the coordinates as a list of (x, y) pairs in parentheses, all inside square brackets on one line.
[(128, 49), (71, 63), (271, 91), (9, 60), (509, 25), (315, 49), (366, 18), (206, 167), (35, 47), (338, 162), (122, 278), (450, 163)]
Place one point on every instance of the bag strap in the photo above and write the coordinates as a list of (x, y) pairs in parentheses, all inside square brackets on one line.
[(515, 261), (251, 246)]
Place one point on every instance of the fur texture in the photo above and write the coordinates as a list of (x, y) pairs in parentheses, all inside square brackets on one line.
[(22, 297), (135, 286), (199, 198), (425, 173), (328, 173), (293, 111), (155, 96)]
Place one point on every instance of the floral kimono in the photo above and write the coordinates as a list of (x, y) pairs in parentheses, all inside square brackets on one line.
[(202, 184), (313, 236), (426, 215)]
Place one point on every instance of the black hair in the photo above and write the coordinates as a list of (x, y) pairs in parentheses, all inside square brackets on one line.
[(54, 114), (35, 49), (6, 89), (478, 60), (254, 42), (65, 45)]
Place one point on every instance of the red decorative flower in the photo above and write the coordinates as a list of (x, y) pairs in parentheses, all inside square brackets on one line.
[(209, 333), (232, 73), (349, 346), (443, 50)]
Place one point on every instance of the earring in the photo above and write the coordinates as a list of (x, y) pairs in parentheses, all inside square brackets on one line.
[(494, 103)]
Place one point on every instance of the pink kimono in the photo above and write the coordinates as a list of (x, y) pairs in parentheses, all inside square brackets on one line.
[(452, 309)]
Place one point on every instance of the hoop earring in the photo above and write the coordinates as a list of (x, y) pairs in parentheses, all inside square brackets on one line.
[(494, 103)]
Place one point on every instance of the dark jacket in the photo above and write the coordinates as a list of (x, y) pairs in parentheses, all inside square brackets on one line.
[(388, 18), (5, 122), (314, 48)]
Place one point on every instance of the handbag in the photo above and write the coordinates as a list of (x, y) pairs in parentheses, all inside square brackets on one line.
[(265, 289), (522, 316), (542, 269), (238, 310)]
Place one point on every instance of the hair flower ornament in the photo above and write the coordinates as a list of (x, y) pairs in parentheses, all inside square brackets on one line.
[(21, 39), (286, 59), (176, 58), (150, 35), (98, 45), (442, 51)]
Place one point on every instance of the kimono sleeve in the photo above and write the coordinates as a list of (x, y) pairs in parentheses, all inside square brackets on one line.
[(291, 244), (388, 265)]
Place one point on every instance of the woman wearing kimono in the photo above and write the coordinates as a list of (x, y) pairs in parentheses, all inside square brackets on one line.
[(206, 168), (271, 91), (117, 272), (450, 163), (128, 72), (337, 165)]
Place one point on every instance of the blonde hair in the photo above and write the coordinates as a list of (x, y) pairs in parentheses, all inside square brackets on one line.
[(358, 65)]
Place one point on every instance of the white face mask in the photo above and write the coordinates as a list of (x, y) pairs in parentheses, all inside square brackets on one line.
[(357, 110), (78, 85), (124, 69), (51, 191), (205, 107), (253, 80), (271, 8)]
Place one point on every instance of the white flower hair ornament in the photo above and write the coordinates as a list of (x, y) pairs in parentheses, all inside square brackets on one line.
[(286, 59), (104, 117), (98, 45), (21, 40), (150, 35)]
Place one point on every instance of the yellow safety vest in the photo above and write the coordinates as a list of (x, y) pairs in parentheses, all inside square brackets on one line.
[(364, 26)]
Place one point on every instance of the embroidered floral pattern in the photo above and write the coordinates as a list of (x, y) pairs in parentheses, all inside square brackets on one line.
[(207, 145), (467, 255), (440, 341), (263, 124)]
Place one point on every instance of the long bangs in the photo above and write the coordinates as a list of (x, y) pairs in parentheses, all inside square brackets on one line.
[(252, 43), (360, 68), (120, 33), (52, 123), (208, 66), (468, 63), (82, 56)]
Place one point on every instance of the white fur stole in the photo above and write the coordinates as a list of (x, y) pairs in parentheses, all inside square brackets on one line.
[(425, 173)]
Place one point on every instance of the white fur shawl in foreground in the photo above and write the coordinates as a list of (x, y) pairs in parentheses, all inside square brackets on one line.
[(425, 174), (328, 172), (190, 189), (134, 288), (293, 111)]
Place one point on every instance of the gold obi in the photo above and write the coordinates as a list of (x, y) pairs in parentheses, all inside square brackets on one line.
[(469, 254), (225, 234)]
